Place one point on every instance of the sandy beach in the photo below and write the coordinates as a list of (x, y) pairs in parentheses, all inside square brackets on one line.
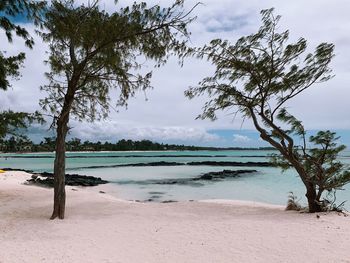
[(100, 228)]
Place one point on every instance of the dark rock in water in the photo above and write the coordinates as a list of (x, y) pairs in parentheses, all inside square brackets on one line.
[(47, 179), (245, 164), (211, 176), (164, 163), (207, 176), (223, 174), (180, 181), (171, 181), (156, 193), (161, 163)]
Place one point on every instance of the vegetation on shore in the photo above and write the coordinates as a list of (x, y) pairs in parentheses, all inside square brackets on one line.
[(21, 144)]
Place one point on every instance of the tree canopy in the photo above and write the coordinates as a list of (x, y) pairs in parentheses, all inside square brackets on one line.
[(94, 51), (256, 77)]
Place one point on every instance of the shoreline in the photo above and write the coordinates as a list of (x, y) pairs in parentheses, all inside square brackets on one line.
[(138, 151), (101, 228)]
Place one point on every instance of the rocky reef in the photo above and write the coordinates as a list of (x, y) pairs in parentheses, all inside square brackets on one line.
[(47, 179)]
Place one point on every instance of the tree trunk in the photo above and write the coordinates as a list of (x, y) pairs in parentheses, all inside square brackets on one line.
[(60, 158), (287, 152), (311, 196), (60, 166)]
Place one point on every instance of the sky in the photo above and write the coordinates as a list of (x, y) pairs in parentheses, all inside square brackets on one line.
[(164, 114)]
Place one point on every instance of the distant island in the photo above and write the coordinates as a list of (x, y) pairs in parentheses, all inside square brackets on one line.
[(24, 144)]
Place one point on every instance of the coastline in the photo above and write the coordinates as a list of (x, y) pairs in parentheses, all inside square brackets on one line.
[(140, 151), (101, 228)]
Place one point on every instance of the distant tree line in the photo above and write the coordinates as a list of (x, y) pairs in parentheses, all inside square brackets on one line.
[(24, 144)]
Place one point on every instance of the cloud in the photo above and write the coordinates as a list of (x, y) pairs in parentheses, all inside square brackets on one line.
[(113, 131), (226, 24), (238, 138)]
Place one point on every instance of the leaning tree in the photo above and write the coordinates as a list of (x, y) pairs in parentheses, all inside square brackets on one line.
[(32, 11), (256, 77), (92, 52)]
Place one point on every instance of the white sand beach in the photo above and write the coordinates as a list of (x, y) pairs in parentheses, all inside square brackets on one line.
[(99, 228)]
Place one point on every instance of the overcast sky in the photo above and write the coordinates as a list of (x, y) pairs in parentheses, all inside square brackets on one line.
[(167, 116)]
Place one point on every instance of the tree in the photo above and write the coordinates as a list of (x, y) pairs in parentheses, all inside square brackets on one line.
[(48, 144), (9, 66), (256, 77), (74, 144), (91, 52)]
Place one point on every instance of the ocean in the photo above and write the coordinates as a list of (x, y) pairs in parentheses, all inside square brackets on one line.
[(268, 184)]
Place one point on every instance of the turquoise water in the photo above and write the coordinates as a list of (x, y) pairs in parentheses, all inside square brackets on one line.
[(268, 185)]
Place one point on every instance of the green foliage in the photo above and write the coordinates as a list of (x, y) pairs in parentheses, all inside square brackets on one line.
[(20, 144), (322, 164), (256, 77), (260, 72), (11, 122), (92, 51), (9, 9), (16, 144)]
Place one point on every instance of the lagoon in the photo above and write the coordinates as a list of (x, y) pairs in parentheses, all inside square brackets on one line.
[(268, 184)]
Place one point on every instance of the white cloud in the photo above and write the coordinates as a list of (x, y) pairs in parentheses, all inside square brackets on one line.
[(238, 138), (113, 131)]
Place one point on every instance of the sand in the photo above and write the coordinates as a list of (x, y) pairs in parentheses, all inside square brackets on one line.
[(100, 228)]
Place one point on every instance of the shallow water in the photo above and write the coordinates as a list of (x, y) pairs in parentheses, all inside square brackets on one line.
[(137, 183)]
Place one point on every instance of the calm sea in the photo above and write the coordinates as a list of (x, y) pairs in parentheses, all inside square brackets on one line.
[(267, 185)]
